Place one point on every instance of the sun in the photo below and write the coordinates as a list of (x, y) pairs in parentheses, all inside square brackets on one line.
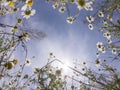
[(63, 65)]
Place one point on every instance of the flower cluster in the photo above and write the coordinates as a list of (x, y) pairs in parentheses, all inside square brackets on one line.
[(107, 35), (90, 19), (84, 4), (27, 9), (63, 5), (11, 6), (100, 47), (9, 65), (8, 7)]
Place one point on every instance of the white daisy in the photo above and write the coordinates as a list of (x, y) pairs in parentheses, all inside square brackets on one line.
[(62, 9), (105, 24), (70, 19), (4, 3), (89, 8), (28, 13), (103, 49), (63, 2), (109, 17), (97, 54), (26, 36), (84, 4), (99, 46), (27, 62), (114, 51), (90, 26), (109, 41), (90, 19), (97, 62), (107, 35), (55, 6), (100, 14), (24, 7)]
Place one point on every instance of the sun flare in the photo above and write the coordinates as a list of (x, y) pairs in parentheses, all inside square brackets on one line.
[(63, 65)]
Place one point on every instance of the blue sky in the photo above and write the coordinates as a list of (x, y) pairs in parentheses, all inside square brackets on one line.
[(67, 42)]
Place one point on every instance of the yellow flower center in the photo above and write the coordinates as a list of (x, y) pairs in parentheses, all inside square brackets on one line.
[(19, 21), (15, 9), (11, 4), (15, 61), (30, 3), (8, 65), (62, 9), (27, 62), (26, 35), (81, 3), (72, 1), (28, 12)]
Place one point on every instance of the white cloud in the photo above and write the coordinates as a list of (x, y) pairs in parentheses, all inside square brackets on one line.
[(66, 46)]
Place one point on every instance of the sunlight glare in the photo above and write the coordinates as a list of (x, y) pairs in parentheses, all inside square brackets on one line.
[(64, 66)]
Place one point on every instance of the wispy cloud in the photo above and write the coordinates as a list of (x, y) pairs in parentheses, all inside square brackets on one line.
[(67, 45)]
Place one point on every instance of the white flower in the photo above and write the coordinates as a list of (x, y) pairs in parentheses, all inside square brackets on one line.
[(62, 9), (107, 35), (9, 3), (14, 29), (70, 20), (27, 62), (26, 36), (97, 54), (90, 26), (97, 62), (84, 4), (10, 84), (63, 2), (100, 46), (109, 17), (100, 14), (103, 49), (90, 19), (4, 3), (114, 51), (24, 7), (27, 39), (28, 13), (109, 41), (105, 24), (29, 3), (88, 6), (56, 5)]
